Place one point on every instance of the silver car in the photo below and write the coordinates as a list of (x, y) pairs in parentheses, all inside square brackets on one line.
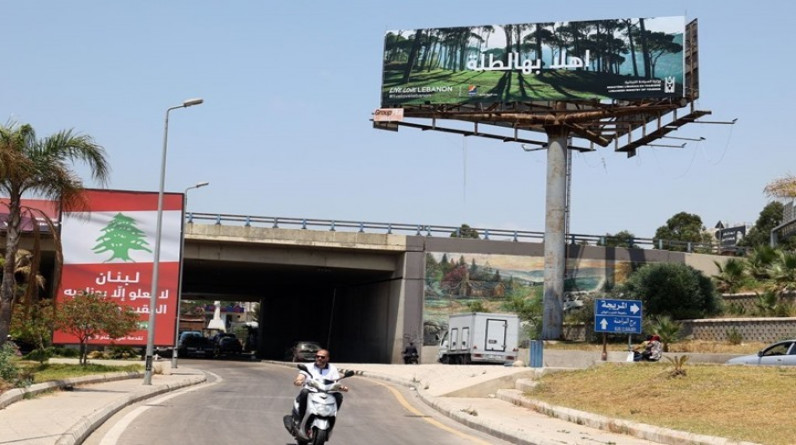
[(782, 353)]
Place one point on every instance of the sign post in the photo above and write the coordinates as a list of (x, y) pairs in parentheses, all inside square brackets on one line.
[(617, 317)]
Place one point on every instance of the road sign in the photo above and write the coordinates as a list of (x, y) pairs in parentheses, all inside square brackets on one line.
[(617, 316)]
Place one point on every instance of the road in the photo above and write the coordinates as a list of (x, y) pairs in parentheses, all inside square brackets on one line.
[(243, 402)]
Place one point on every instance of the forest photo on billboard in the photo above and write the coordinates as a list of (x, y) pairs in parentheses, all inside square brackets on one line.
[(638, 58)]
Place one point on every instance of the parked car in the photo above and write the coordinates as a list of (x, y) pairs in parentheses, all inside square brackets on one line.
[(782, 353), (303, 351), (196, 346), (163, 351), (186, 334), (168, 351), (228, 345)]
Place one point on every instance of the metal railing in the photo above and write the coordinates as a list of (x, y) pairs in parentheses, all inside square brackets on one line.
[(277, 222)]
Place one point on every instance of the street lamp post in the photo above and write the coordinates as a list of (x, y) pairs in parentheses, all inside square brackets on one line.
[(179, 286), (150, 338)]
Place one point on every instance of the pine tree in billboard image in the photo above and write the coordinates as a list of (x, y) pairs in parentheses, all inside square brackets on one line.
[(120, 236)]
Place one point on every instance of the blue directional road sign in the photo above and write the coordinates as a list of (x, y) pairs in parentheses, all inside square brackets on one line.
[(617, 316)]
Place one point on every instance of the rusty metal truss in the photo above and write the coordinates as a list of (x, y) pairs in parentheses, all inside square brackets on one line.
[(625, 124)]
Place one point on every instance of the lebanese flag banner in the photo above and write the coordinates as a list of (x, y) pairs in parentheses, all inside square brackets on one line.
[(108, 248)]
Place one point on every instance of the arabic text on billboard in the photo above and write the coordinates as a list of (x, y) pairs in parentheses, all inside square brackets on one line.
[(636, 58)]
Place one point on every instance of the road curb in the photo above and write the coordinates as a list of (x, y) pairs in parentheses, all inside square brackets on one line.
[(17, 394)]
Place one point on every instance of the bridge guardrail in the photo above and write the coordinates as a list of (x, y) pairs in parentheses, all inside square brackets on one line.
[(438, 230)]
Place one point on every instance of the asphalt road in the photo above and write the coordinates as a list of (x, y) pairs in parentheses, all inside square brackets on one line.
[(244, 402)]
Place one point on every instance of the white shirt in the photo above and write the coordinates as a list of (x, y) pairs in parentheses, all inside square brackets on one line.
[(329, 372)]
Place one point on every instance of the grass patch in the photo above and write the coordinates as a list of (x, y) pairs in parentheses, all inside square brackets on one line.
[(46, 372), (695, 346), (736, 402)]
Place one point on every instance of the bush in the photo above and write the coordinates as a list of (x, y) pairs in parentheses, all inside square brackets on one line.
[(41, 355), (62, 351), (672, 289), (9, 371), (734, 337), (122, 352), (735, 309)]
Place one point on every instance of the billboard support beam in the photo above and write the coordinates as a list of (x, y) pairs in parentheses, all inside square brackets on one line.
[(554, 243)]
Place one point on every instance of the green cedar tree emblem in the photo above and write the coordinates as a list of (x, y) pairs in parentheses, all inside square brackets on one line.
[(120, 236)]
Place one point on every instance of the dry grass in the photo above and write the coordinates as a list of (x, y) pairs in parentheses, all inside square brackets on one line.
[(703, 347), (737, 402)]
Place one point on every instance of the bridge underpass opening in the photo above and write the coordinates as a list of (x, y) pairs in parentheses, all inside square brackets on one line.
[(352, 312)]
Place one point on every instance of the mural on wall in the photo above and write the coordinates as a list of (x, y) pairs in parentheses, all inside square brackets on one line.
[(457, 282)]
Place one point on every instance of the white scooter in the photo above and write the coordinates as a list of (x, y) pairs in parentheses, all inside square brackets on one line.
[(319, 417)]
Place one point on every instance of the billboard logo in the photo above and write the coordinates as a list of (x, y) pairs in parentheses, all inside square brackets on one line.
[(388, 114), (669, 86), (472, 90), (119, 237)]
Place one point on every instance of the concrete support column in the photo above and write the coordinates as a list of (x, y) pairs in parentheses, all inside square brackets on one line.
[(554, 243), (410, 315)]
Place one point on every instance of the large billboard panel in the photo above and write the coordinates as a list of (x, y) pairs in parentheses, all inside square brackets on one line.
[(108, 249), (635, 58)]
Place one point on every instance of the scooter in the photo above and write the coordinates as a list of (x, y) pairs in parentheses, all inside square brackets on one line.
[(316, 426), (411, 358)]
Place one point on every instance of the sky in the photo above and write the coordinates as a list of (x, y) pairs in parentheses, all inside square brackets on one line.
[(289, 89)]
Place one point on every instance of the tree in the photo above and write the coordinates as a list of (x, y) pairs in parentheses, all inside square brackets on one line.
[(90, 315), (682, 228), (672, 289), (39, 167), (465, 231), (760, 233), (783, 188), (527, 304), (34, 326), (620, 239)]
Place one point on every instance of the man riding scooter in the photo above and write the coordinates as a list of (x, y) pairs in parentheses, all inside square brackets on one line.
[(410, 354), (323, 369)]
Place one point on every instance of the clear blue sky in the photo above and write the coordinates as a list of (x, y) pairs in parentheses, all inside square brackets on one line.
[(289, 88)]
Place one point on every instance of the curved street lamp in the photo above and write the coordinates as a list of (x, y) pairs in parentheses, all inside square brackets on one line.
[(150, 338), (182, 260)]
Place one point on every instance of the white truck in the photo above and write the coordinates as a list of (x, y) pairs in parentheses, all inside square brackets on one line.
[(480, 337)]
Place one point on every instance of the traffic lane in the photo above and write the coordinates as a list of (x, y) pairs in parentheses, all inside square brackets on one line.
[(228, 406), (246, 402)]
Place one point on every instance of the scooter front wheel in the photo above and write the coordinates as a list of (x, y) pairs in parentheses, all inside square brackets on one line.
[(320, 437)]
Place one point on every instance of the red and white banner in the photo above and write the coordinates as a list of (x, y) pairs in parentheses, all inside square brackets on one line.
[(109, 248)]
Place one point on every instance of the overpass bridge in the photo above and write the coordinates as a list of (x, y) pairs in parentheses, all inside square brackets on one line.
[(360, 288)]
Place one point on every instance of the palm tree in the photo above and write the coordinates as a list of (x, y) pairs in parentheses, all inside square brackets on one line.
[(783, 272), (760, 261), (731, 276), (39, 167), (667, 329)]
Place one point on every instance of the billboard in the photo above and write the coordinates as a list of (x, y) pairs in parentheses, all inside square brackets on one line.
[(34, 212), (108, 248), (635, 58)]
